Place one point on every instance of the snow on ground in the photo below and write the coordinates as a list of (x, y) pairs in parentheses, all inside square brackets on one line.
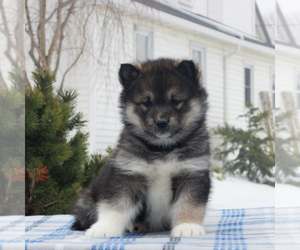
[(287, 195), (238, 192)]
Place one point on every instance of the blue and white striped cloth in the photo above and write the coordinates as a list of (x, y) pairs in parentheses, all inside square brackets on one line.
[(255, 228)]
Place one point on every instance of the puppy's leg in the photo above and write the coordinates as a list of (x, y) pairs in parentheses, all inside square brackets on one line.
[(112, 220), (188, 220), (119, 198), (191, 192)]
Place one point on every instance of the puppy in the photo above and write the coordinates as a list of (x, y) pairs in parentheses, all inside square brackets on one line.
[(158, 177)]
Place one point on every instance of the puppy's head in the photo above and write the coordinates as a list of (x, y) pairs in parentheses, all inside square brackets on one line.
[(162, 101)]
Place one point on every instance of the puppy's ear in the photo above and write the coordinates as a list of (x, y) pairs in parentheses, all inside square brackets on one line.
[(127, 74), (189, 69)]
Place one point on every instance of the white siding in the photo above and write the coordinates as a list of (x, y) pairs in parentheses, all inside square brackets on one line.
[(215, 88), (236, 98), (263, 79), (98, 85), (285, 80), (170, 43), (98, 98)]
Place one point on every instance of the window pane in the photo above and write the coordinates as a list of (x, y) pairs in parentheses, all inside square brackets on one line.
[(247, 95), (197, 58), (247, 86), (247, 77), (142, 47)]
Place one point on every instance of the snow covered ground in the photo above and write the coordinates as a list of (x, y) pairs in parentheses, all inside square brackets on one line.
[(238, 192), (287, 196)]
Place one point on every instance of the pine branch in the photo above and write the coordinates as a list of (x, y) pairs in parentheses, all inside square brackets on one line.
[(48, 204)]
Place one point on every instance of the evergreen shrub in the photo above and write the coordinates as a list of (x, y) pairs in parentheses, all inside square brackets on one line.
[(246, 151), (56, 148)]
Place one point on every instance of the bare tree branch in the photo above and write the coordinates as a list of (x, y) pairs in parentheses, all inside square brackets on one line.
[(62, 27), (15, 44), (64, 4), (82, 47), (34, 45), (19, 35), (72, 65), (5, 29), (41, 34), (63, 20), (12, 60), (56, 33), (104, 24), (2, 81)]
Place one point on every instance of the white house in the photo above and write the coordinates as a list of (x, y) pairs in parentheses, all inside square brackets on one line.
[(226, 38), (287, 58)]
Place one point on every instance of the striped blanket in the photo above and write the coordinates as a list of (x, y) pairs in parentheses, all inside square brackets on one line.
[(253, 228)]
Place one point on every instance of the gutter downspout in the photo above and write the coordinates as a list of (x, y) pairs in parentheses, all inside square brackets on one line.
[(225, 77), (225, 81)]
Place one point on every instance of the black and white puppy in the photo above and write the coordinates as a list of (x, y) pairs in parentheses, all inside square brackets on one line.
[(158, 177)]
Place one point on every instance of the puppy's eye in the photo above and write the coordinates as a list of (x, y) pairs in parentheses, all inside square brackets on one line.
[(177, 103), (146, 104)]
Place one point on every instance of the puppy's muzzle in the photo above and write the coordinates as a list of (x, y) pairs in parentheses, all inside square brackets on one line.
[(162, 123)]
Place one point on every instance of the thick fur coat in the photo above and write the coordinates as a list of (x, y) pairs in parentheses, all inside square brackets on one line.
[(158, 177)]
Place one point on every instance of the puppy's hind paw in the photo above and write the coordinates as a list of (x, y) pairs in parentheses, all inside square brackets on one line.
[(187, 230)]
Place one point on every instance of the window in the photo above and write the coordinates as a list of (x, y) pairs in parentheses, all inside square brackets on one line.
[(248, 85), (273, 90), (143, 45), (198, 56), (298, 90)]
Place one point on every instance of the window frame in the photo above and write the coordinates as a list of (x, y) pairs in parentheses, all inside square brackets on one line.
[(146, 32), (249, 66), (202, 50)]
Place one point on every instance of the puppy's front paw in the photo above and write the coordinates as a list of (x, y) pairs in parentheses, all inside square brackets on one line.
[(98, 230), (188, 230)]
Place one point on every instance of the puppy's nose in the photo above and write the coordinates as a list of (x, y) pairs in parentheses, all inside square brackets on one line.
[(162, 123)]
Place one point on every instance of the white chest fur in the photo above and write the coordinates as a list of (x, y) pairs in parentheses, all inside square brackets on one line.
[(159, 174), (160, 194)]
